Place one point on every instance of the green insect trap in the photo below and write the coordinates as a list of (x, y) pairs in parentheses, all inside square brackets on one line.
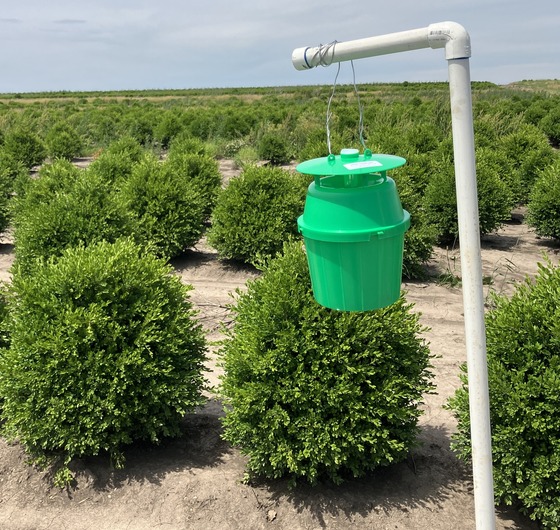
[(353, 226)]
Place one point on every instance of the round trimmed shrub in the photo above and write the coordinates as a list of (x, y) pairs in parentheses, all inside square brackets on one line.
[(16, 176), (104, 351), (495, 197), (5, 196), (115, 168), (184, 143), (544, 203), (274, 147), (4, 334), (66, 207), (116, 162), (127, 145), (25, 147), (419, 240), (528, 152), (201, 171), (550, 124), (524, 381), (313, 393), (246, 156), (63, 141), (257, 213), (168, 210), (169, 126)]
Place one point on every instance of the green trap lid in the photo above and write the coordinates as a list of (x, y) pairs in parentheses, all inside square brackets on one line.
[(350, 162)]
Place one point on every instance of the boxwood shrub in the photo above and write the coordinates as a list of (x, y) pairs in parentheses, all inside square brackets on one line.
[(421, 237), (313, 393), (201, 171), (257, 212), (25, 147), (66, 207), (6, 186), (105, 350), (14, 173), (63, 141), (523, 337), (127, 145), (528, 152), (495, 197), (4, 334), (167, 208), (544, 203), (184, 144), (273, 146), (116, 162)]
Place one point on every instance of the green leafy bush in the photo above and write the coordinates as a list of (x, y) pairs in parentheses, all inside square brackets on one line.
[(421, 236), (4, 334), (14, 173), (544, 203), (257, 213), (201, 171), (184, 143), (116, 162), (313, 393), (528, 152), (5, 196), (550, 124), (53, 178), (127, 145), (115, 168), (168, 209), (246, 156), (169, 126), (66, 207), (495, 197), (25, 147), (104, 351), (273, 146), (523, 337), (63, 141)]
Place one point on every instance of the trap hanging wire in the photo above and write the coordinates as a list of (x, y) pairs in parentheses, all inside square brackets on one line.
[(323, 53)]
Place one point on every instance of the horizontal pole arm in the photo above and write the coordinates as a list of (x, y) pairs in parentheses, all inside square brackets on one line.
[(449, 35)]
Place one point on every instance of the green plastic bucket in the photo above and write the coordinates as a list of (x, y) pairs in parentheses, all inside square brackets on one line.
[(353, 227)]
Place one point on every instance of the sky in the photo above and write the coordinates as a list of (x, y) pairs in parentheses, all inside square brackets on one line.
[(83, 45)]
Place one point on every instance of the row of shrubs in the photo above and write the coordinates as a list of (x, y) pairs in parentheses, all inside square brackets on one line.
[(346, 434), (518, 167), (99, 343), (170, 204), (100, 348)]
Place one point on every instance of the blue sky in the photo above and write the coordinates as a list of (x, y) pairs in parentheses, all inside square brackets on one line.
[(136, 44)]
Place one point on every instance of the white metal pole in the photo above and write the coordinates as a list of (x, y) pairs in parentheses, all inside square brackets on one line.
[(456, 41), (473, 300)]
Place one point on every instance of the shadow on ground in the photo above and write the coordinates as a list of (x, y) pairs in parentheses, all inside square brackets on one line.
[(199, 446), (427, 477)]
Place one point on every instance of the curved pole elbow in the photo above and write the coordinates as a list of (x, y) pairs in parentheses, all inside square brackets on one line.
[(451, 36)]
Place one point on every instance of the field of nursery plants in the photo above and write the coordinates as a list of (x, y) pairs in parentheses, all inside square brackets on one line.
[(163, 363)]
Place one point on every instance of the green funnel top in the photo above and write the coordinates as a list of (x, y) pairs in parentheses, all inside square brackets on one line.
[(350, 162)]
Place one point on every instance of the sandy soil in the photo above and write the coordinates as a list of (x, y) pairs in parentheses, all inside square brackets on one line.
[(195, 482)]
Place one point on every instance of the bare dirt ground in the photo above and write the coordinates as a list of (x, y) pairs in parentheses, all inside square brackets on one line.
[(195, 481)]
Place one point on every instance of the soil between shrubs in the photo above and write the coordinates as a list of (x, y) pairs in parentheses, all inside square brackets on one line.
[(195, 481)]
